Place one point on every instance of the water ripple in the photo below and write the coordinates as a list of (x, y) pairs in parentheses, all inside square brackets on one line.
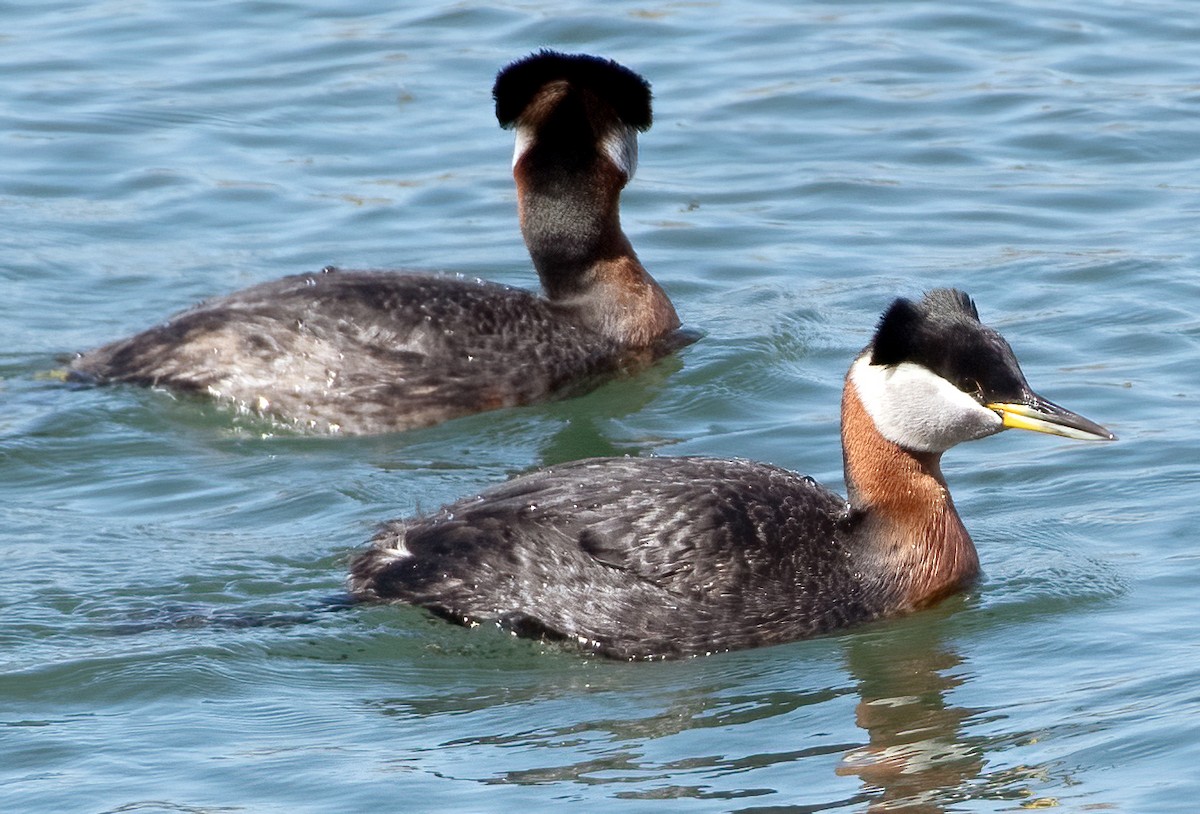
[(173, 574)]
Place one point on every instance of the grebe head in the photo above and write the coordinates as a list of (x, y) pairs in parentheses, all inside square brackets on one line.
[(571, 109), (576, 118), (934, 376)]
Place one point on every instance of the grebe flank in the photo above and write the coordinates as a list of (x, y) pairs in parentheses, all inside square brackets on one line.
[(644, 558), (375, 351)]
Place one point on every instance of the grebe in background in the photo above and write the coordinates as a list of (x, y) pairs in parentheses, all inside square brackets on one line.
[(374, 351), (641, 558)]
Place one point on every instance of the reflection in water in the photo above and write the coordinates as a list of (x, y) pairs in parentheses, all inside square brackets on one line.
[(627, 729), (916, 759), (587, 421), (919, 757), (685, 730)]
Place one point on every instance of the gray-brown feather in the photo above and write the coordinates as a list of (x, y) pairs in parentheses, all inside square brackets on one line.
[(636, 558), (366, 351)]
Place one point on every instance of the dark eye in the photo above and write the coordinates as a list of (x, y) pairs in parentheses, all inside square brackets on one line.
[(975, 390)]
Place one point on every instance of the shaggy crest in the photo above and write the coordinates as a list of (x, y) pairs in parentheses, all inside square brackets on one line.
[(518, 84), (943, 334)]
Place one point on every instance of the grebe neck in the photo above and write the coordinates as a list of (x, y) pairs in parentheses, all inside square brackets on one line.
[(571, 224), (912, 537)]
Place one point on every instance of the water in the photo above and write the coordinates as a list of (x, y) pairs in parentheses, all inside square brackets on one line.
[(166, 633)]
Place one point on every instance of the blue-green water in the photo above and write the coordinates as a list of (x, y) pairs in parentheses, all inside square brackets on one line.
[(164, 632)]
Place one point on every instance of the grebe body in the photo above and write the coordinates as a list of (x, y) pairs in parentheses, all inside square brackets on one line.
[(643, 558), (376, 351)]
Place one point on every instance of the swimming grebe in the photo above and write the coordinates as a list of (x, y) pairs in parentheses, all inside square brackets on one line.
[(642, 558), (375, 351)]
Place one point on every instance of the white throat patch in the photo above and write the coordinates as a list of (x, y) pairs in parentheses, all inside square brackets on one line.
[(917, 409)]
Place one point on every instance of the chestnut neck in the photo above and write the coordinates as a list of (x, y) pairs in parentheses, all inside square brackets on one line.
[(911, 535), (569, 213)]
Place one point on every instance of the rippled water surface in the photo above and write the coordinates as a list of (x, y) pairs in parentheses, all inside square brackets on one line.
[(168, 631)]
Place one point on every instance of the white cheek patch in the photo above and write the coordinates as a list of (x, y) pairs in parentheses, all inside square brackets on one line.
[(621, 146), (919, 410)]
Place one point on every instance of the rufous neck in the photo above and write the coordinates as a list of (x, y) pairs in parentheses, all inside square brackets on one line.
[(910, 529), (571, 224)]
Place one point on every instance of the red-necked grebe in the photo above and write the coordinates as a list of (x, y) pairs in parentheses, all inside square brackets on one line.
[(641, 558), (376, 351)]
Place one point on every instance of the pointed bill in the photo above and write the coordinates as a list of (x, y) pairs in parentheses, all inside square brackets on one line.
[(1041, 415)]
